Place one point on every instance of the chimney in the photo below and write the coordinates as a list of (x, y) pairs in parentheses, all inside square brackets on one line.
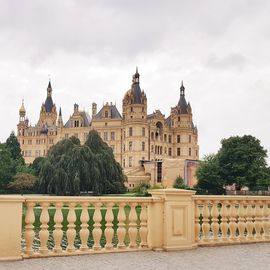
[(94, 109)]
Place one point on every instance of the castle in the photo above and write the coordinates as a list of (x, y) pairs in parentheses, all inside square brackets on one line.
[(151, 148)]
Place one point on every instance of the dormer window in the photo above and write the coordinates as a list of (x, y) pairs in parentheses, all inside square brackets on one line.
[(106, 114)]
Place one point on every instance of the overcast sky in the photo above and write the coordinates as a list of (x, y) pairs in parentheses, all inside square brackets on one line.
[(90, 49)]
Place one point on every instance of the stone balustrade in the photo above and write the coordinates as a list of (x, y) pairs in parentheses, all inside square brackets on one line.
[(172, 219), (226, 220)]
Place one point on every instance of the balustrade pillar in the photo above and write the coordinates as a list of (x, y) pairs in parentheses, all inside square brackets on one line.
[(206, 220), (109, 227), (233, 224), (84, 232), (241, 221), (266, 221), (29, 228), (224, 221), (121, 230), (197, 221), (215, 225), (132, 231), (71, 232), (258, 224), (97, 232), (58, 233), (44, 233), (143, 226), (249, 222)]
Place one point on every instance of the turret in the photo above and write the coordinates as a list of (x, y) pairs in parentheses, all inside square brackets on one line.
[(22, 112), (94, 109), (60, 119)]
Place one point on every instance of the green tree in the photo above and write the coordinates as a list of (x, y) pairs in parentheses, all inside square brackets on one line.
[(208, 175), (71, 167), (23, 182), (240, 161), (7, 167), (179, 183), (13, 146)]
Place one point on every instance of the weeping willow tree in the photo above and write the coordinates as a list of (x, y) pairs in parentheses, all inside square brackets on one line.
[(71, 168)]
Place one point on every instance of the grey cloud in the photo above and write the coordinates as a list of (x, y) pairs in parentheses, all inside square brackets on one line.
[(235, 61)]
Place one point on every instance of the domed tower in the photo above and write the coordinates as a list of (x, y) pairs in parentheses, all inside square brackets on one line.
[(185, 134), (135, 129), (48, 114), (23, 121)]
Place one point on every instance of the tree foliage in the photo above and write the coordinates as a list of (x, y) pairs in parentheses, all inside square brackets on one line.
[(240, 161), (23, 182), (179, 183), (71, 167)]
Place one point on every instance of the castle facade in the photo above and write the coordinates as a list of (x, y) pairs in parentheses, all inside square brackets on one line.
[(151, 148)]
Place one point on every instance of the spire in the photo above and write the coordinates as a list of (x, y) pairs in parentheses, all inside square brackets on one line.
[(137, 76), (60, 120), (49, 89), (22, 109), (182, 89), (182, 101)]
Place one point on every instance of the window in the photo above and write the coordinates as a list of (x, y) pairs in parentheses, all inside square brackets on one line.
[(130, 146), (152, 135), (106, 114), (152, 148), (142, 109), (143, 131), (130, 132), (170, 138), (178, 118), (189, 151), (165, 137), (165, 150), (161, 150), (76, 123), (159, 172), (124, 147), (112, 136), (178, 138), (143, 146), (189, 138), (131, 109), (130, 162), (170, 151), (105, 136), (66, 136), (29, 141), (178, 151), (196, 153), (124, 163)]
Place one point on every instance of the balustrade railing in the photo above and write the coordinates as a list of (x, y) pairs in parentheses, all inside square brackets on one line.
[(77, 225), (41, 226), (231, 219)]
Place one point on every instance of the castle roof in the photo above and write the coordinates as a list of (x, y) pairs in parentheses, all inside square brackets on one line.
[(49, 102), (86, 120), (182, 103), (114, 113)]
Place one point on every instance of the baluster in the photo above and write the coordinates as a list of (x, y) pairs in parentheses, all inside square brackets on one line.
[(29, 228), (58, 233), (224, 221), (109, 226), (44, 233), (197, 221), (71, 232), (84, 232), (266, 221), (132, 231), (232, 224), (249, 223), (97, 232), (121, 230), (143, 226), (241, 221), (215, 225), (258, 220), (205, 225)]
